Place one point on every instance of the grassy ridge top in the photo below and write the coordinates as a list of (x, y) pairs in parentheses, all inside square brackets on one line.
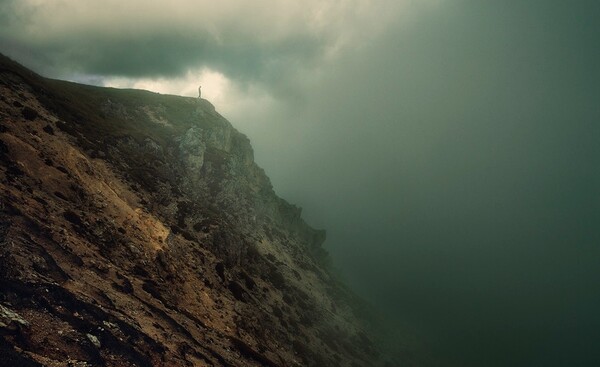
[(98, 113)]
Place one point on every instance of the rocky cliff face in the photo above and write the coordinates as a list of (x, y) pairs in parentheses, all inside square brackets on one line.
[(136, 230)]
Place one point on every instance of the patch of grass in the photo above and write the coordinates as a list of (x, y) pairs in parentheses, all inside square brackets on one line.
[(81, 107)]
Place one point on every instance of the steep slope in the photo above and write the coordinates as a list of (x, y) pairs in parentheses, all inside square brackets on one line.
[(136, 230)]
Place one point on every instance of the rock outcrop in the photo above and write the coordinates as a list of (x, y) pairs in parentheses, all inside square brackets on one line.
[(136, 230)]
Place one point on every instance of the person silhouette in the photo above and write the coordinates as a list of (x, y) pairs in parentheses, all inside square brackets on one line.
[(199, 91)]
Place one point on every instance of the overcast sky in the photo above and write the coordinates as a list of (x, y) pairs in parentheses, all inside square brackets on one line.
[(449, 147)]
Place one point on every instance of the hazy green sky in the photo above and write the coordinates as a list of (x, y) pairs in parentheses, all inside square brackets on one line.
[(450, 147)]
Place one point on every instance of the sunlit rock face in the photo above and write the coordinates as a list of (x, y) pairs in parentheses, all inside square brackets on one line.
[(136, 230)]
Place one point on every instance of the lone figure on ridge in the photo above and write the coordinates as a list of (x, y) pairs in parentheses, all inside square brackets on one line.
[(199, 91)]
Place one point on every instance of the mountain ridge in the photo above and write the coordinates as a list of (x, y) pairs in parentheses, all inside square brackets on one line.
[(137, 230)]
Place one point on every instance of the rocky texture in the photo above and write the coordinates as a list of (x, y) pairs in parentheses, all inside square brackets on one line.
[(136, 230)]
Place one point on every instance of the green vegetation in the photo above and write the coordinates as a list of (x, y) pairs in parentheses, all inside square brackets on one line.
[(78, 105)]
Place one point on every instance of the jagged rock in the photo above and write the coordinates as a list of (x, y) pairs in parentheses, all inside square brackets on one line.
[(10, 320), (94, 340)]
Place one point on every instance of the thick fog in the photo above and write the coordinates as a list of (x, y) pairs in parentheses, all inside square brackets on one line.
[(455, 164), (451, 150)]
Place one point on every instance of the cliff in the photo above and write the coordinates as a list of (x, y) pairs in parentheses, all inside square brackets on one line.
[(136, 230)]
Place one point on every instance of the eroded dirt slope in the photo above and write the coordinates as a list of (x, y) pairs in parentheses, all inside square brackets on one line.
[(136, 230)]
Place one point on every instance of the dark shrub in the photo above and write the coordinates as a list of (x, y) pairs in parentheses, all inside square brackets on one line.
[(73, 217), (48, 129), (29, 113)]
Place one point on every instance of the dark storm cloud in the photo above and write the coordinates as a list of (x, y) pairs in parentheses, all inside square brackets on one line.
[(166, 55), (256, 41)]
